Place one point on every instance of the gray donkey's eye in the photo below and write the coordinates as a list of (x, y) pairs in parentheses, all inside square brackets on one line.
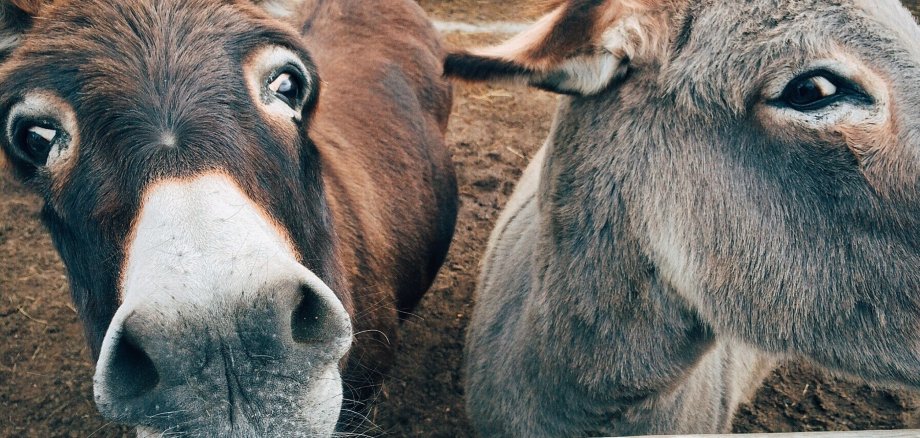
[(820, 89), (811, 90)]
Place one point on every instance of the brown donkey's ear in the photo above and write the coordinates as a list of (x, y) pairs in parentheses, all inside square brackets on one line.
[(579, 48), (16, 17)]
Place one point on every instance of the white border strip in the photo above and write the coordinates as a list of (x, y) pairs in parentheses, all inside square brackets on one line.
[(497, 27), (856, 434)]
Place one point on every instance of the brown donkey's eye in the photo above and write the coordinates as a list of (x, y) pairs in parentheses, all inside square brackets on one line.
[(287, 87), (35, 141)]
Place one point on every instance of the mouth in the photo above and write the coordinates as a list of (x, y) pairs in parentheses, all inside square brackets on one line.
[(308, 408)]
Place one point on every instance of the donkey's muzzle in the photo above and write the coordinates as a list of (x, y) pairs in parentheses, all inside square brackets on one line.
[(164, 367), (220, 327)]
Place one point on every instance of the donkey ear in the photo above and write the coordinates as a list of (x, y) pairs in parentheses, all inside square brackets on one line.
[(281, 8), (16, 17), (579, 48)]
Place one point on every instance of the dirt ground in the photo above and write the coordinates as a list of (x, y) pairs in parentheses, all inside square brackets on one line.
[(46, 374)]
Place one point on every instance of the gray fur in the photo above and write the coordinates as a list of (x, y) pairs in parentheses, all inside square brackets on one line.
[(666, 246)]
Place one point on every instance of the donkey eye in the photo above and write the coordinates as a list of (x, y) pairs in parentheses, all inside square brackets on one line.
[(287, 87), (816, 90), (35, 140)]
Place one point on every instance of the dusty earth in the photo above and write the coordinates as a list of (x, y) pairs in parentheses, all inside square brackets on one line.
[(45, 370)]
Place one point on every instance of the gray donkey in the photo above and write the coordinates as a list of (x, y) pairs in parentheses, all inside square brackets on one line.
[(728, 183)]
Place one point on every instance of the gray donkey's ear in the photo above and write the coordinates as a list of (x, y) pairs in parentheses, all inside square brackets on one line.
[(16, 17), (579, 48), (281, 9)]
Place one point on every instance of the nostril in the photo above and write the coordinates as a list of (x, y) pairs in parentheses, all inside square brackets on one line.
[(131, 372), (309, 319)]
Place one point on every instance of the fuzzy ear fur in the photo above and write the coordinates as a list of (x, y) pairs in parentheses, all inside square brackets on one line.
[(579, 48), (281, 8)]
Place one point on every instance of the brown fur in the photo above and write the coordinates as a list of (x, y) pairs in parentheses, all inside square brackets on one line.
[(363, 193)]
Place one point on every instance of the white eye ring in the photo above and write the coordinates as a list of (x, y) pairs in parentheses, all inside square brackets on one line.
[(45, 133)]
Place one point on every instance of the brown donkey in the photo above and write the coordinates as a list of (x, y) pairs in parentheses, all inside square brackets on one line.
[(730, 181), (245, 195)]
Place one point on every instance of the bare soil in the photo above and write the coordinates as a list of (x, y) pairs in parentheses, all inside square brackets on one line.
[(46, 373)]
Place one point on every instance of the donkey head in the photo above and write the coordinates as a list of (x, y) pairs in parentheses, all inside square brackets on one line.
[(170, 141), (763, 157)]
